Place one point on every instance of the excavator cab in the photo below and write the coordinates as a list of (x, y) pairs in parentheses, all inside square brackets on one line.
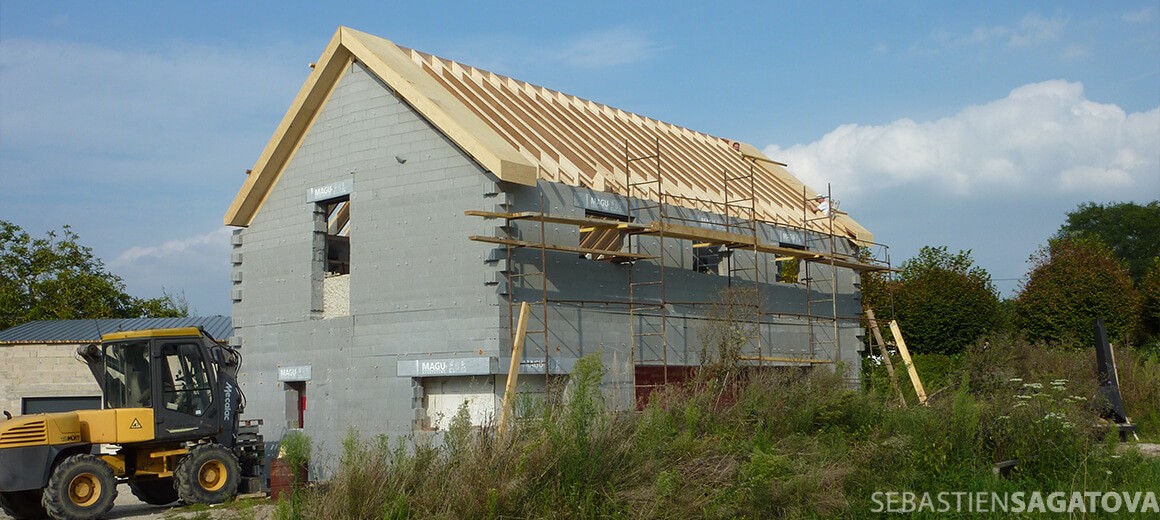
[(187, 381)]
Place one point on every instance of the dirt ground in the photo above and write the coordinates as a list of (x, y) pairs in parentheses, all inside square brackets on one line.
[(1149, 449), (127, 506)]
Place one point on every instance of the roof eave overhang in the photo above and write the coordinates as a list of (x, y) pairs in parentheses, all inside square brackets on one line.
[(394, 67)]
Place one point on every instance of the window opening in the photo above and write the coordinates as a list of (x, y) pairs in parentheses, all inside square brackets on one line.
[(707, 259), (295, 404), (602, 238), (788, 267), (337, 235)]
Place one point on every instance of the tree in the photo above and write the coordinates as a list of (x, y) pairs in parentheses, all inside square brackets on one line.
[(1072, 282), (943, 302), (1129, 229), (1150, 292), (55, 278)]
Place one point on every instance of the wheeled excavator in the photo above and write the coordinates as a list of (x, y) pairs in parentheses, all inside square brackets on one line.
[(169, 427)]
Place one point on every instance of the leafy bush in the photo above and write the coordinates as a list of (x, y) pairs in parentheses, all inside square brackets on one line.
[(1150, 291), (944, 302), (1072, 282)]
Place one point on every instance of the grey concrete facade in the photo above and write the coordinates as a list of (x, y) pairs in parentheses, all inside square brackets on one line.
[(424, 302)]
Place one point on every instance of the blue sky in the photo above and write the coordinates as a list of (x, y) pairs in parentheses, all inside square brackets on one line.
[(974, 125)]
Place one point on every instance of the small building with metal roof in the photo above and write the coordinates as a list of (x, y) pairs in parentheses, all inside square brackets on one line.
[(39, 371)]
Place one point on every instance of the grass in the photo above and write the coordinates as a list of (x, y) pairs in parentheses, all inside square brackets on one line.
[(769, 444)]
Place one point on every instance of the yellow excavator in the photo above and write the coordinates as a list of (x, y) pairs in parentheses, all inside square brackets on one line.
[(169, 427)]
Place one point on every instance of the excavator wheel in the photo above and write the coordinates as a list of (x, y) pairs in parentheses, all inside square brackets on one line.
[(23, 505), (157, 491), (209, 474), (81, 487)]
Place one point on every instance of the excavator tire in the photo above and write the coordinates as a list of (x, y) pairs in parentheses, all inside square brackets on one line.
[(209, 474), (81, 487)]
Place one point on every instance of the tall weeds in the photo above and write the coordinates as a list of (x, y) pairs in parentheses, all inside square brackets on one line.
[(775, 443)]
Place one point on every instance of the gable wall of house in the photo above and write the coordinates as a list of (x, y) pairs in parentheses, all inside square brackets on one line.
[(416, 284)]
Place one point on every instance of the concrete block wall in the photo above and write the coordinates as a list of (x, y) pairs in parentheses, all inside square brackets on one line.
[(42, 370), (417, 284)]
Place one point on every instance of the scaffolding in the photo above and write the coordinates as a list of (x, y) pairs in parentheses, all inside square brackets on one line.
[(726, 227), (647, 305), (823, 331), (536, 281), (740, 212)]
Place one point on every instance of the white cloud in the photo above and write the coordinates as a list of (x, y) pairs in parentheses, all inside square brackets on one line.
[(214, 240), (1032, 30), (618, 46), (1043, 138), (1144, 15), (1075, 52), (195, 267)]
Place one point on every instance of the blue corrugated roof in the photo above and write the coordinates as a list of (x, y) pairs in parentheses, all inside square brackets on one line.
[(81, 331)]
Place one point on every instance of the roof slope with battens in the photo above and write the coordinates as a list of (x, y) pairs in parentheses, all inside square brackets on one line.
[(522, 132)]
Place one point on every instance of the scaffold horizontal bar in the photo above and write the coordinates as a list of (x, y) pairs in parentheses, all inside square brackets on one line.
[(776, 359), (611, 256)]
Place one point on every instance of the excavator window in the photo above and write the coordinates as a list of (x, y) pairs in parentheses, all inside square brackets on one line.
[(185, 381), (128, 381)]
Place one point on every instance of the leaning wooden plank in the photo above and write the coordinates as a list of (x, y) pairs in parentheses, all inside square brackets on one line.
[(877, 338), (509, 393), (616, 256), (909, 364)]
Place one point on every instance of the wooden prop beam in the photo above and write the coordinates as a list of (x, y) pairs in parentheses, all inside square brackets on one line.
[(877, 339), (509, 393), (909, 364)]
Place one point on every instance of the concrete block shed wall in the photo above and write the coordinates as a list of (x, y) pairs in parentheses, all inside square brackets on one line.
[(42, 370), (417, 285)]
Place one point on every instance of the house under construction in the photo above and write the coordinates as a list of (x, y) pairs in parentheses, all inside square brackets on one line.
[(408, 205)]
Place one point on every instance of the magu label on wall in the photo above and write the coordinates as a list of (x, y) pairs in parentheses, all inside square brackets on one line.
[(294, 373), (333, 190)]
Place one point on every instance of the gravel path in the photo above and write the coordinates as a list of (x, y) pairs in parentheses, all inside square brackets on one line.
[(127, 506)]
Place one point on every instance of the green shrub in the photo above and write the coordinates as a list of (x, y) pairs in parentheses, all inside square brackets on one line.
[(943, 302), (295, 449), (1072, 282)]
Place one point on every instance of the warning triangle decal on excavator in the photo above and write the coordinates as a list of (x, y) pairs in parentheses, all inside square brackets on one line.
[(136, 425)]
